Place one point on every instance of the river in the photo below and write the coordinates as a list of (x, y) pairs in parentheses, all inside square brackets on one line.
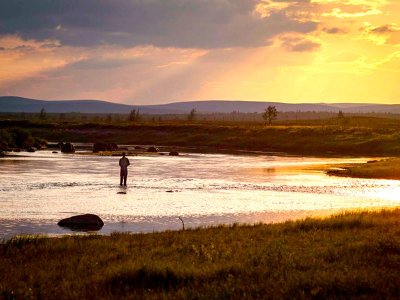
[(38, 189)]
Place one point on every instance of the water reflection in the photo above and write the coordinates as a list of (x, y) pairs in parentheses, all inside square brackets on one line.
[(39, 189)]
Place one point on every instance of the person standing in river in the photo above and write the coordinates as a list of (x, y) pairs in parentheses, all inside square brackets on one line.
[(123, 163)]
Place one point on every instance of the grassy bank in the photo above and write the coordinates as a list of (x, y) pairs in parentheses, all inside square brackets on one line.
[(383, 169), (347, 256), (358, 137)]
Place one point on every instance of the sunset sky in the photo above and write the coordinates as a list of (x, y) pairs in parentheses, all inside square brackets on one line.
[(159, 51)]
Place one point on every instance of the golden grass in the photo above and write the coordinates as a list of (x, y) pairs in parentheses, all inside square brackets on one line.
[(352, 255), (383, 169)]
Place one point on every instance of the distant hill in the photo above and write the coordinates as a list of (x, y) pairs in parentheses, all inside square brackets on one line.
[(19, 104)]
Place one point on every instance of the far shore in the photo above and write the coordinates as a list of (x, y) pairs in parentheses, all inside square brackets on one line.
[(377, 169), (358, 136)]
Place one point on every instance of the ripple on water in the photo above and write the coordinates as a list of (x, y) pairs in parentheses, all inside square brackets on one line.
[(207, 189)]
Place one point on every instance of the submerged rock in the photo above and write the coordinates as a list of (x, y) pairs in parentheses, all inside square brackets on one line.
[(87, 222)]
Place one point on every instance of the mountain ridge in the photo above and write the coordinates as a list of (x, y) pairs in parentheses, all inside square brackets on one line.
[(20, 104)]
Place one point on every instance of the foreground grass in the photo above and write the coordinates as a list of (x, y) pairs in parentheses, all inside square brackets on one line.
[(383, 169), (347, 256)]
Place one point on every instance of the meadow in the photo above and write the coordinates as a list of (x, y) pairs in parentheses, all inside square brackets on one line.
[(351, 255), (352, 136)]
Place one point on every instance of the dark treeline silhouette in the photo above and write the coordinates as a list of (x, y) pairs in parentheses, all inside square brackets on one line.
[(234, 116)]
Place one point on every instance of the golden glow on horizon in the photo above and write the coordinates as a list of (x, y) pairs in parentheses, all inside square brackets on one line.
[(353, 56)]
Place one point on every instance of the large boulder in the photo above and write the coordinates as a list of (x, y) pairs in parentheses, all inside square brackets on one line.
[(67, 148), (152, 149), (87, 222), (97, 147)]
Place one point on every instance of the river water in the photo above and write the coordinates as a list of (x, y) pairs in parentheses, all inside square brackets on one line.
[(38, 189)]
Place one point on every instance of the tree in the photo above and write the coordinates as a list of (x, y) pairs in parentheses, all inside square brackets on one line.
[(42, 114), (192, 115), (270, 114), (134, 115)]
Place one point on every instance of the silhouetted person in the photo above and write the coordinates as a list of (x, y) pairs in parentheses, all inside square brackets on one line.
[(123, 163)]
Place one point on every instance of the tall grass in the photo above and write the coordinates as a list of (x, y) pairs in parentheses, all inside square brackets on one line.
[(383, 169), (353, 255)]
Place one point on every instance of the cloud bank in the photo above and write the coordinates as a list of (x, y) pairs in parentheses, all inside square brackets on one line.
[(175, 23)]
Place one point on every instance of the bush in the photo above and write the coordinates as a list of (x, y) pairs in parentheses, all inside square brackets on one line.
[(6, 139), (22, 138)]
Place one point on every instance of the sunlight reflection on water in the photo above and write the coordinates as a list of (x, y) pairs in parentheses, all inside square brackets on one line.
[(38, 189)]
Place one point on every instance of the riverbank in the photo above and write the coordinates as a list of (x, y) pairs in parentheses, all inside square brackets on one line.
[(359, 137), (379, 169), (345, 256)]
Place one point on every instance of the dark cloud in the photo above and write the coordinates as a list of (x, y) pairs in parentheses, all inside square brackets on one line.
[(50, 46), (298, 44), (23, 48), (173, 23), (335, 30), (383, 29)]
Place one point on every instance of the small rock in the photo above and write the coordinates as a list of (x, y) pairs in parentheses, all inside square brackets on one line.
[(174, 153), (152, 149), (31, 149), (121, 193), (170, 191), (54, 152), (87, 222)]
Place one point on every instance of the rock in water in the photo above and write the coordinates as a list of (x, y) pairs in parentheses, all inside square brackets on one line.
[(152, 149), (97, 147), (67, 148), (174, 153), (87, 222)]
